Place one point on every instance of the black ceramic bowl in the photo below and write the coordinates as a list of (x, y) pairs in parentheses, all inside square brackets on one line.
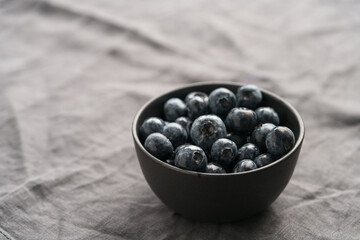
[(218, 197)]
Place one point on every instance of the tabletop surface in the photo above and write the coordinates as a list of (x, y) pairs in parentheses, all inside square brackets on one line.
[(74, 73)]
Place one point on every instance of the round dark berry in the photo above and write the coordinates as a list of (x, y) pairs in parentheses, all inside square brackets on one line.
[(221, 101), (196, 94), (175, 133), (249, 96), (267, 115), (197, 106), (223, 152), (280, 140), (151, 125), (244, 165), (206, 129), (264, 159), (174, 108), (259, 134), (248, 151), (191, 158), (159, 146), (241, 120)]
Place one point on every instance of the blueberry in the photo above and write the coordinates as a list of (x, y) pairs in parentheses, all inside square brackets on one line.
[(249, 96), (175, 133), (244, 165), (206, 129), (248, 151), (214, 168), (238, 138), (185, 122), (151, 125), (197, 106), (241, 120), (195, 94), (267, 115), (280, 140), (174, 108), (191, 158), (223, 152), (259, 134), (264, 159), (159, 146), (221, 101)]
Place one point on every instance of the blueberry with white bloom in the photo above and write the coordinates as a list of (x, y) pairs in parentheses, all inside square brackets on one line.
[(195, 94), (159, 146), (241, 120), (176, 134), (248, 151), (259, 134), (197, 106), (221, 101), (151, 125), (267, 115), (264, 159), (249, 96), (174, 108), (206, 129), (244, 166), (191, 158), (223, 152), (280, 140)]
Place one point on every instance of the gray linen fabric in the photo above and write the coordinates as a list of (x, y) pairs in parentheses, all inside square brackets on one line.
[(74, 73)]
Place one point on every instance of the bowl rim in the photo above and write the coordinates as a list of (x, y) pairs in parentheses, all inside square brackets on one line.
[(224, 84)]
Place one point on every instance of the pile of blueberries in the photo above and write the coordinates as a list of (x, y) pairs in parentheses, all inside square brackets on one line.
[(217, 133)]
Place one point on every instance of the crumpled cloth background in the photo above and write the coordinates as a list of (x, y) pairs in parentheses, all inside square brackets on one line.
[(74, 73)]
